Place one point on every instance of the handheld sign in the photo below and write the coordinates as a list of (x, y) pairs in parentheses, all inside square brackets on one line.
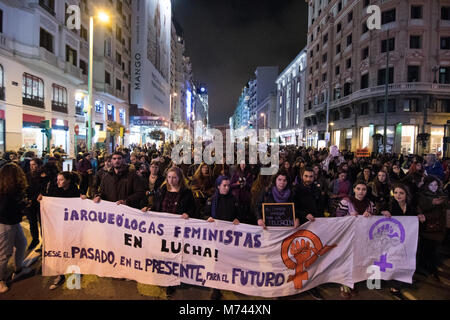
[(279, 214), (363, 153)]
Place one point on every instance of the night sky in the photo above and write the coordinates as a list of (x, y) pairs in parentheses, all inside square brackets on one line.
[(228, 39)]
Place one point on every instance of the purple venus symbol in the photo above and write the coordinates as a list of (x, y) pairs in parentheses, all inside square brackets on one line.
[(383, 264)]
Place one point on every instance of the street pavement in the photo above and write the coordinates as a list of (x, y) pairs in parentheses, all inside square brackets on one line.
[(35, 287)]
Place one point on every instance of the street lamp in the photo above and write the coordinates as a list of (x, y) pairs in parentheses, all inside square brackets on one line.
[(104, 18)]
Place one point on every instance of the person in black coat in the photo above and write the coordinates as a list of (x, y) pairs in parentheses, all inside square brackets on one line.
[(67, 188), (35, 185), (399, 205), (309, 201), (278, 193), (121, 184), (222, 206)]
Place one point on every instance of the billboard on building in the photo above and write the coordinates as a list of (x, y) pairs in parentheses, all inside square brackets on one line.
[(150, 89)]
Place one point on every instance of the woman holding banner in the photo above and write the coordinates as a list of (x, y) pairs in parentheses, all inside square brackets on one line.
[(358, 204), (174, 197), (399, 205), (13, 201), (278, 193), (68, 183), (222, 206)]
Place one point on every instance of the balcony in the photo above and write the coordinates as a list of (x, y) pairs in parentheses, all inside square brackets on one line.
[(33, 101), (2, 93), (59, 107), (395, 88)]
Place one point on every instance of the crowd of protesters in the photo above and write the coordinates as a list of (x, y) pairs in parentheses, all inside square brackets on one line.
[(321, 183)]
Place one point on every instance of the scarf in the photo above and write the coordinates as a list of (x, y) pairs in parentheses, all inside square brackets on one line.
[(360, 205), (281, 197)]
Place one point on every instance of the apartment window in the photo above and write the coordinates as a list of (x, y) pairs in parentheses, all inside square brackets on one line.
[(118, 84), (338, 70), (388, 16), (338, 48), (350, 16), (364, 109), (311, 54), (365, 53), (107, 77), (347, 89), (349, 40), (339, 27), (71, 55), (339, 6), (444, 75), (443, 105), (445, 43), (83, 66), (48, 5), (413, 73), (445, 13), (1, 21), (325, 58), (412, 105), (108, 47), (382, 76), (59, 101), (317, 48), (391, 106), (110, 112), (324, 77), (84, 33), (384, 44), (416, 12), (119, 59), (365, 81), (348, 63), (366, 3), (46, 40), (415, 42), (336, 93), (32, 90), (317, 65), (325, 38), (119, 33), (317, 83)]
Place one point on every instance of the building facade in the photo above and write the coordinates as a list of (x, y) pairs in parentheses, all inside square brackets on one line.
[(44, 69), (349, 65), (291, 86)]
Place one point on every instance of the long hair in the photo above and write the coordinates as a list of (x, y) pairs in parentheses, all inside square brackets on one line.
[(73, 177), (12, 179), (181, 179), (404, 188)]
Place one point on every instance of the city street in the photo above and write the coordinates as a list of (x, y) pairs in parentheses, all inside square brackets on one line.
[(95, 288)]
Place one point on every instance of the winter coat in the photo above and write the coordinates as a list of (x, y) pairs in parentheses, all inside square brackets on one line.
[(227, 207), (186, 202), (125, 185), (12, 208), (394, 208), (242, 194), (267, 197), (308, 200), (435, 215), (72, 192)]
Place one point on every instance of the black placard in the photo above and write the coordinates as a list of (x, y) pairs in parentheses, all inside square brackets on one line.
[(279, 214)]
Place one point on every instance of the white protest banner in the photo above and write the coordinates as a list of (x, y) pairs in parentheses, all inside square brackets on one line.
[(389, 243), (163, 249)]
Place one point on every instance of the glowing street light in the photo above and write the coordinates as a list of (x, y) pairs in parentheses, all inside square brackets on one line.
[(104, 18)]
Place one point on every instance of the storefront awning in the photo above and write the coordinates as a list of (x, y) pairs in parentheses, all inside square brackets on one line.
[(31, 121)]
